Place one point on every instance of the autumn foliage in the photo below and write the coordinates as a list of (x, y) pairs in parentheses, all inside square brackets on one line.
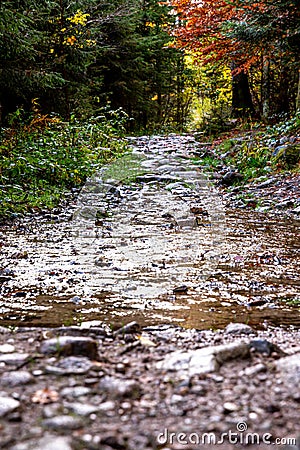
[(257, 38), (242, 30)]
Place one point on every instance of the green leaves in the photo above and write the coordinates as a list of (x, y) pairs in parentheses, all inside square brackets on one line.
[(40, 166)]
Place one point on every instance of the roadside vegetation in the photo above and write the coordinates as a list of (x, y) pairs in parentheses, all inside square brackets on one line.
[(44, 159), (257, 151)]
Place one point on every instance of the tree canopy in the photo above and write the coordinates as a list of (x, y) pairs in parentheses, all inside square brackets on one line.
[(255, 37), (77, 56)]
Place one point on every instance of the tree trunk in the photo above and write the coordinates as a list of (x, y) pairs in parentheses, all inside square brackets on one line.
[(298, 95), (265, 94), (242, 105)]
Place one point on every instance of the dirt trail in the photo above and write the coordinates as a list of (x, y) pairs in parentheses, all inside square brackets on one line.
[(149, 238)]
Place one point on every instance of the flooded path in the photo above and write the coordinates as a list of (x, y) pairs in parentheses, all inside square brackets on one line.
[(149, 240)]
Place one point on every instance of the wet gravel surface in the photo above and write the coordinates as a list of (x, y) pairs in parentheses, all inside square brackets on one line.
[(149, 237)]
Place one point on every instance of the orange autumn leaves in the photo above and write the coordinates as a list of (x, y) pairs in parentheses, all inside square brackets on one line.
[(225, 30)]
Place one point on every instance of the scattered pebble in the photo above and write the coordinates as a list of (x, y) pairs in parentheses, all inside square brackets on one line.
[(8, 405), (64, 422)]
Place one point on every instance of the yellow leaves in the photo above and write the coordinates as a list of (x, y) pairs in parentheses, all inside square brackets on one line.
[(79, 18), (154, 98), (72, 34), (90, 42)]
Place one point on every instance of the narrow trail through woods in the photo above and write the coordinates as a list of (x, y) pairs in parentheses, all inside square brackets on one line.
[(149, 240)]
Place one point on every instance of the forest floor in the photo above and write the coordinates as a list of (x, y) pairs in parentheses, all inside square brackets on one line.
[(207, 362)]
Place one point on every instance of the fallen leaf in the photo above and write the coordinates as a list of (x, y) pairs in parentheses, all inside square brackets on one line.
[(45, 396), (144, 340)]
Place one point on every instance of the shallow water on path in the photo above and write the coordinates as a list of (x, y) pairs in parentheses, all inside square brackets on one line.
[(149, 240)]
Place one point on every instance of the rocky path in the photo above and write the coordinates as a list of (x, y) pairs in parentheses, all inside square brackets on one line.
[(163, 387), (103, 286)]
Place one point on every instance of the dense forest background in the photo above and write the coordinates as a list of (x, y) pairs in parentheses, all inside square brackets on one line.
[(158, 61), (76, 57), (77, 75)]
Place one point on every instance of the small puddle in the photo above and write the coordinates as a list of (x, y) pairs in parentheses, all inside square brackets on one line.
[(149, 241)]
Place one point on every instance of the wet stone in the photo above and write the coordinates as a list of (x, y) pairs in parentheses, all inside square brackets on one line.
[(63, 422), (117, 387), (289, 369), (48, 442), (239, 328), (264, 346), (230, 407), (14, 358), (7, 348), (75, 392), (131, 327), (82, 409), (230, 178), (76, 365), (51, 410), (4, 330), (70, 345), (109, 405), (86, 329), (253, 370), (8, 405), (204, 360), (16, 378)]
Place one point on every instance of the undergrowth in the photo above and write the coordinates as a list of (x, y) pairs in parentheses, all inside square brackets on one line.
[(43, 158), (258, 151)]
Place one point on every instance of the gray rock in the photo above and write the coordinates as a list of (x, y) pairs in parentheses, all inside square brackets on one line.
[(82, 409), (174, 186), (239, 328), (16, 378), (117, 387), (52, 410), (131, 327), (230, 407), (203, 360), (230, 178), (253, 370), (147, 178), (76, 299), (107, 406), (76, 365), (4, 330), (284, 204), (7, 348), (296, 210), (74, 392), (14, 358), (70, 345), (265, 184), (48, 442), (8, 405), (289, 369), (264, 346), (63, 422)]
